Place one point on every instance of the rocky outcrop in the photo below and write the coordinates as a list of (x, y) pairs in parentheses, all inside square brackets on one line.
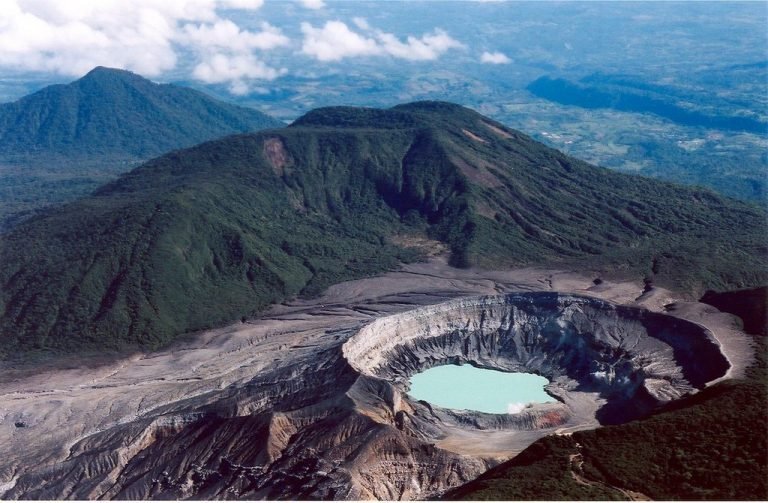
[(331, 418)]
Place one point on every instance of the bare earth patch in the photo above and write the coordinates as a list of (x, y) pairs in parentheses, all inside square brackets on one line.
[(497, 130), (278, 157), (485, 210), (473, 136), (477, 172), (429, 247)]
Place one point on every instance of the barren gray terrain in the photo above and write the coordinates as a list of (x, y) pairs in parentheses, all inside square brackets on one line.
[(310, 400)]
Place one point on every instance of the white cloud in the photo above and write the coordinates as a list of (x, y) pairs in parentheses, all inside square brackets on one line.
[(336, 41), (49, 36), (70, 38), (430, 46), (224, 34), (152, 37), (242, 4), (313, 4), (516, 408), (236, 70), (495, 58), (226, 53)]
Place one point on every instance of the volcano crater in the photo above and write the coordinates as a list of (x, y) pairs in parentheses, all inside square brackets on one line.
[(607, 364), (323, 411)]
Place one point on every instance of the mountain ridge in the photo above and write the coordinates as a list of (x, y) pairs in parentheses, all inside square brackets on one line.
[(206, 235), (117, 112), (66, 140)]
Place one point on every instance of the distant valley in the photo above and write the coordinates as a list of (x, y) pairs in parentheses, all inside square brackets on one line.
[(701, 161), (633, 95)]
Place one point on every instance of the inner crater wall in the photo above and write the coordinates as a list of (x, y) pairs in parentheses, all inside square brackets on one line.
[(631, 357)]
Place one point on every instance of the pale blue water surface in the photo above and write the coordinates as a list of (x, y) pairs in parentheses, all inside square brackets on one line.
[(472, 388)]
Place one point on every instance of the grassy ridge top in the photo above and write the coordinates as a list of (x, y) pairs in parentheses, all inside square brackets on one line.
[(206, 235)]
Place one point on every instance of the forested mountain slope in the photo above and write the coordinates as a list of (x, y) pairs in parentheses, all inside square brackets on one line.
[(203, 236), (64, 141), (117, 113)]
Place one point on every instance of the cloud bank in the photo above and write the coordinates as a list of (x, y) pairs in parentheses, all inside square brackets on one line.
[(70, 38), (226, 54), (335, 41), (150, 37)]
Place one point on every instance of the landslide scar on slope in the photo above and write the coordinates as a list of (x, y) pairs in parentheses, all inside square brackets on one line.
[(278, 157), (497, 130), (473, 136)]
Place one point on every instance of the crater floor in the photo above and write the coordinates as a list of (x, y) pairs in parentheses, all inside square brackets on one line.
[(310, 400)]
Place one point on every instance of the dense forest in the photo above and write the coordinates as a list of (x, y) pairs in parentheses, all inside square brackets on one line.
[(204, 236), (64, 141)]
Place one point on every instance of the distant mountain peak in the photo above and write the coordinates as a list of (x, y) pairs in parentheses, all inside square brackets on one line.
[(103, 72), (98, 114)]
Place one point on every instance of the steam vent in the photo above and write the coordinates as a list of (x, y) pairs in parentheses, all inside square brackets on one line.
[(328, 416)]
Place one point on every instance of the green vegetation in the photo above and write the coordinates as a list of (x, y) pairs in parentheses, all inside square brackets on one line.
[(715, 447), (29, 190), (741, 176), (188, 241), (64, 141), (712, 446), (207, 235), (541, 472), (114, 112)]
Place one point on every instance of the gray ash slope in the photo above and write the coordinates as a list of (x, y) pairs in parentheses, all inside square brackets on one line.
[(202, 236), (332, 419)]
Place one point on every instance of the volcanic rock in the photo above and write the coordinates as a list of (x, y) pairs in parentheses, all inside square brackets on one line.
[(324, 412)]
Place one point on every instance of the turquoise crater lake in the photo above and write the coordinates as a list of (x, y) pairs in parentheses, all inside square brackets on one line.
[(472, 388)]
